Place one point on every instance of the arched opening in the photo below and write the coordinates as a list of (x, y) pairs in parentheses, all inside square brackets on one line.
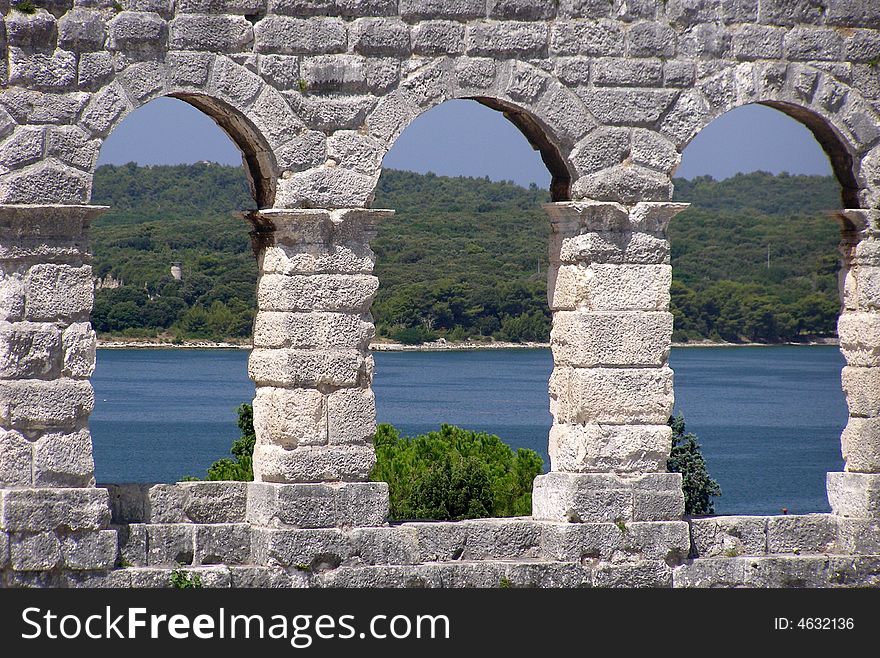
[(755, 275), (174, 268), (462, 268)]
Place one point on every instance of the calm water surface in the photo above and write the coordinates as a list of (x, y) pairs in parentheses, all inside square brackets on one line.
[(769, 419)]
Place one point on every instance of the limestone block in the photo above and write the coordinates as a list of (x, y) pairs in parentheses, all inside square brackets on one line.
[(566, 114), (242, 7), (862, 388), (37, 404), (302, 368), (191, 502), (170, 543), (506, 39), (227, 543), (88, 551), (266, 578), (380, 36), (609, 448), (611, 395), (4, 550), (437, 38), (307, 550), (38, 29), (752, 42), (586, 542), (475, 73), (137, 30), (651, 149), (351, 149), (859, 334), (28, 106), (294, 36), (729, 536), (95, 70), (72, 145), (855, 495), (609, 287), (128, 503), (334, 73), (34, 551), (234, 84), (416, 10), (860, 443), (16, 460), (384, 545), (11, 297), (321, 292), (64, 460), (324, 505), (621, 72), (711, 572), (351, 416), (46, 182), (54, 292), (225, 34), (118, 579), (39, 510), (46, 71), (625, 184), (23, 147), (858, 536), (329, 113), (478, 539), (861, 288), (29, 349), (602, 497), (313, 463), (306, 150), (573, 70), (802, 534), (290, 417), (644, 574), (79, 344), (617, 106), (600, 38), (312, 330), (686, 118), (611, 338), (521, 10), (326, 187), (133, 541), (602, 148), (811, 44)]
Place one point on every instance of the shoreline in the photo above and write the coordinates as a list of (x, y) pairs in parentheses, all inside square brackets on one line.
[(435, 346)]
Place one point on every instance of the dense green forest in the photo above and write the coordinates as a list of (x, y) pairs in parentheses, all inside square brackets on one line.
[(463, 257)]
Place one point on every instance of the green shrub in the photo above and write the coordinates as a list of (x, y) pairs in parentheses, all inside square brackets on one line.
[(182, 580), (686, 458), (454, 474), (242, 467)]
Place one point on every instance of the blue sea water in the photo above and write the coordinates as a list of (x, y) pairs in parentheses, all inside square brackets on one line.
[(768, 418)]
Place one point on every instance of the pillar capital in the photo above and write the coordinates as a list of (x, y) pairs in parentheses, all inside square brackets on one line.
[(569, 218)]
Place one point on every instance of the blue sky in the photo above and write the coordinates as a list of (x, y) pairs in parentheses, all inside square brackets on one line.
[(466, 138)]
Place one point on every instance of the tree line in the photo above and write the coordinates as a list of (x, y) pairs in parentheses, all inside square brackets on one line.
[(754, 257)]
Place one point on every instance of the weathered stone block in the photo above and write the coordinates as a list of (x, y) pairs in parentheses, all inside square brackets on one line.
[(860, 443), (592, 542), (58, 292), (40, 510), (611, 338), (29, 349), (862, 388), (227, 543), (308, 369), (37, 404), (478, 539), (34, 552), (603, 497), (196, 502), (312, 330), (82, 30), (321, 292), (351, 416), (133, 541), (648, 573), (79, 344), (128, 503), (313, 463), (4, 550), (615, 248), (609, 287), (729, 536), (266, 578), (629, 107), (72, 145), (609, 448), (757, 42), (170, 543), (89, 551), (711, 573), (802, 534), (306, 550), (46, 182), (380, 36), (224, 34), (855, 495), (858, 536), (624, 184), (64, 460), (620, 72), (16, 460), (334, 73), (810, 44), (611, 395), (137, 30), (437, 38), (416, 10), (11, 297), (506, 39), (600, 39), (320, 505), (290, 417), (294, 36)]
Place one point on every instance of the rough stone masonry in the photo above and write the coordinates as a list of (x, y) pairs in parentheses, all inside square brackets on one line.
[(315, 92)]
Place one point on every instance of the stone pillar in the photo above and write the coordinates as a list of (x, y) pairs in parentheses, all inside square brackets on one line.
[(611, 387), (314, 410), (51, 514), (854, 494)]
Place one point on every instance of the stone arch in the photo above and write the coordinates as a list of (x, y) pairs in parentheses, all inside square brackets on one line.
[(843, 123), (550, 116)]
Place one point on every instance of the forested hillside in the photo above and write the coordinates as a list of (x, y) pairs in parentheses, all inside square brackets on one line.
[(462, 257)]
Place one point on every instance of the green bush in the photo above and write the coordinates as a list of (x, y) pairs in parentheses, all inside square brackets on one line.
[(686, 458), (242, 467), (454, 474)]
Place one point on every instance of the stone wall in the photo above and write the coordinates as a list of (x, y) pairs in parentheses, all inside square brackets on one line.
[(315, 92)]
